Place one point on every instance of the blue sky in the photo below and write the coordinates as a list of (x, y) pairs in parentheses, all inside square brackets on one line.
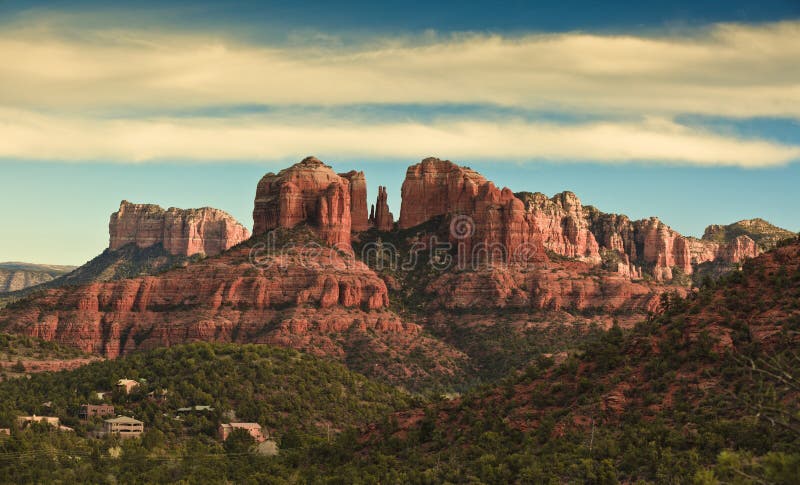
[(687, 110)]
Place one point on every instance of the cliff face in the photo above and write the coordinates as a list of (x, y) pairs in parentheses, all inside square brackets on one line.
[(552, 286), (308, 191), (486, 223), (662, 248), (358, 200), (434, 187), (560, 225), (219, 299), (182, 232)]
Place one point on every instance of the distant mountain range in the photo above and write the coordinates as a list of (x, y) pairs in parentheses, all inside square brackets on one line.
[(17, 276)]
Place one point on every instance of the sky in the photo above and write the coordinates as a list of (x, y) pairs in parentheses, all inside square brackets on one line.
[(689, 111)]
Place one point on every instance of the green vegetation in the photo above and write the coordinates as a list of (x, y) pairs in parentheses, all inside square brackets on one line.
[(707, 392), (127, 262), (302, 401), (14, 347), (762, 232), (666, 404)]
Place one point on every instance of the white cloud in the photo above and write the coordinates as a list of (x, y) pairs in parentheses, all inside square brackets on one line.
[(34, 136), (729, 70), (58, 88)]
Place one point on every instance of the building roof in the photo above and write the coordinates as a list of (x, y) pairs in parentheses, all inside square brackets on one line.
[(242, 425), (195, 408), (123, 420)]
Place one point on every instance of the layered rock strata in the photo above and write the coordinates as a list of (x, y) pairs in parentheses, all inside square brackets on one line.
[(505, 222), (358, 200), (310, 192), (183, 232), (219, 299)]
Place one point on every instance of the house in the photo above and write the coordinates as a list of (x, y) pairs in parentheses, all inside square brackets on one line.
[(124, 426), (195, 409), (254, 429), (5, 431), (102, 394), (127, 385), (91, 410), (23, 421)]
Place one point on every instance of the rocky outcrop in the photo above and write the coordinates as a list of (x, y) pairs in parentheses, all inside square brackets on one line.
[(182, 232), (735, 251), (562, 224), (309, 192), (661, 248), (550, 286), (435, 187), (224, 299), (498, 222), (380, 217), (486, 223), (358, 200), (765, 235), (653, 244)]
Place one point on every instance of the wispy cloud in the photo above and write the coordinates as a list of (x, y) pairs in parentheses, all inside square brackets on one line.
[(61, 86), (732, 70), (34, 136)]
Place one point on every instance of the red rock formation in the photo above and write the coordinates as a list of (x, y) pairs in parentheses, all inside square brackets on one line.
[(563, 225), (183, 232), (358, 200), (487, 224), (308, 191), (501, 229), (434, 187), (548, 286), (223, 298), (736, 251), (662, 247), (380, 217), (741, 248), (655, 244), (502, 222)]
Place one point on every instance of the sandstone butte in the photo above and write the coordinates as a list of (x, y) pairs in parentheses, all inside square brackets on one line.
[(575, 257), (560, 225), (183, 232), (310, 192)]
